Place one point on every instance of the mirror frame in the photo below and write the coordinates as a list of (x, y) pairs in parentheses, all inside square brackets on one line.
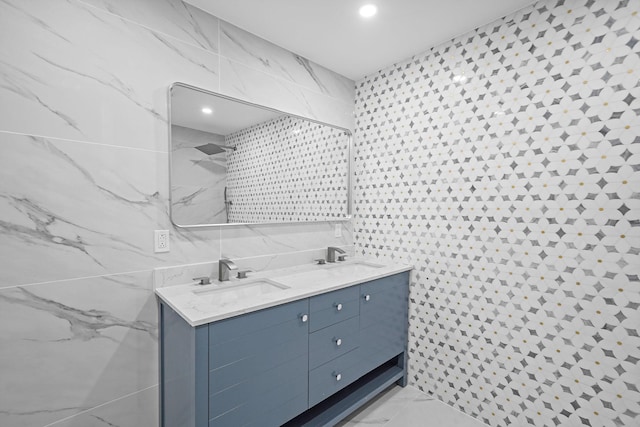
[(347, 217)]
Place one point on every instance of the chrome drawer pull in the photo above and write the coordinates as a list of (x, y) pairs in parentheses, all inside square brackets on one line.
[(338, 341), (338, 376), (304, 318), (367, 297), (338, 307)]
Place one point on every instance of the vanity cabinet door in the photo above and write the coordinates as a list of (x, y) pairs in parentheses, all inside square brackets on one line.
[(258, 367), (383, 319)]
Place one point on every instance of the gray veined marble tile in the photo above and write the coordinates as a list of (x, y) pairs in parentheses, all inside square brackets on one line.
[(107, 85), (432, 413), (76, 209), (192, 205), (137, 410), (386, 406), (255, 52), (258, 240), (246, 83), (198, 181), (69, 346), (171, 17)]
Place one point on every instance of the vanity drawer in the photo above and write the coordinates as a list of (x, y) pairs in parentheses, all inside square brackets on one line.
[(333, 307), (334, 376), (333, 341)]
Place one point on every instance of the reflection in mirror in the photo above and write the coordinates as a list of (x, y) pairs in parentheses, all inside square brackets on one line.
[(238, 163)]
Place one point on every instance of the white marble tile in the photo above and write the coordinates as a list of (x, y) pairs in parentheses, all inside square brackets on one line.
[(193, 205), (385, 406), (287, 259), (432, 413), (105, 85), (246, 83), (261, 55), (182, 274), (69, 346), (408, 406), (257, 240), (171, 17), (137, 410), (198, 181), (77, 209)]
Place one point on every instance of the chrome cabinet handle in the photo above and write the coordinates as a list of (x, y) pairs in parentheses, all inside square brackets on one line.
[(304, 318), (338, 307), (338, 341), (337, 376), (367, 297)]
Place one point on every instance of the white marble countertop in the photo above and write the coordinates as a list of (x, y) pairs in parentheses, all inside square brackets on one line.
[(201, 304)]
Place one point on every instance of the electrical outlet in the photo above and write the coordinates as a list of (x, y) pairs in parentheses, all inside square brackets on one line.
[(337, 231), (161, 241)]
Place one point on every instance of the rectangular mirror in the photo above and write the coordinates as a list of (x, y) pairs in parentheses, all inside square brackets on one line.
[(233, 162)]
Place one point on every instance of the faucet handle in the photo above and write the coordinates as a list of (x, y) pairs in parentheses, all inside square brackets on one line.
[(242, 274), (203, 280), (320, 261), (342, 257)]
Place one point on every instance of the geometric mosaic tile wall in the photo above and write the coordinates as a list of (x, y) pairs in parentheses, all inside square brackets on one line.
[(288, 170), (505, 164)]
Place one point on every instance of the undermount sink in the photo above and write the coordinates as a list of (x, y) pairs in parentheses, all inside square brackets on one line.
[(231, 293)]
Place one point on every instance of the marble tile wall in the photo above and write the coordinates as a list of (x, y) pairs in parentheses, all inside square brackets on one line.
[(505, 165), (198, 180), (84, 182)]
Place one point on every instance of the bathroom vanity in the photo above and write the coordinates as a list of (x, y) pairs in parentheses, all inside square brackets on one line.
[(299, 346)]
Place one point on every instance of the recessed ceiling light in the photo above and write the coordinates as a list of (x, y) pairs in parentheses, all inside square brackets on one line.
[(207, 110), (368, 10)]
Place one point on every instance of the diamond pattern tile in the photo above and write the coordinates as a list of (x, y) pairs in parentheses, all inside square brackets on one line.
[(287, 170), (505, 165)]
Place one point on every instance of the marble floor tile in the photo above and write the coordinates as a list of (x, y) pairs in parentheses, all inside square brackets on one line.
[(408, 406), (137, 410)]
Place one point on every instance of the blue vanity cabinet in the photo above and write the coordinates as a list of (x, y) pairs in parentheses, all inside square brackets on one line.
[(333, 342), (310, 362), (258, 365), (333, 307), (248, 370), (384, 305)]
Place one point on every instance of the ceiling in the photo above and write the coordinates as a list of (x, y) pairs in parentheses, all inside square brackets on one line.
[(331, 32)]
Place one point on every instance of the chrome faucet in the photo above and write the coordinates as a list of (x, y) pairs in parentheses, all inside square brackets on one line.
[(331, 254), (225, 266)]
